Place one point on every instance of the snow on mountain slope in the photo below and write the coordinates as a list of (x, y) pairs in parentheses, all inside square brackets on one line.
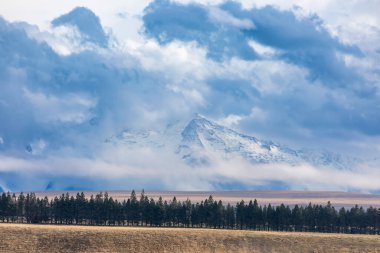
[(202, 139), (202, 135)]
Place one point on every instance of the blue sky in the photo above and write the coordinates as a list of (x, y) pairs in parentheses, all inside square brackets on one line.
[(76, 72)]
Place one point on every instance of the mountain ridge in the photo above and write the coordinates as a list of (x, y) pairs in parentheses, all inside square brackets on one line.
[(201, 137)]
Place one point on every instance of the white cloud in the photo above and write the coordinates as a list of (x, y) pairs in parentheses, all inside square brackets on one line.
[(261, 49), (224, 17), (67, 108), (41, 12), (116, 163), (258, 114), (231, 120), (64, 40)]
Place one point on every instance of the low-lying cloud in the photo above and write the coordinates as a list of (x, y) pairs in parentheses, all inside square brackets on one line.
[(265, 71)]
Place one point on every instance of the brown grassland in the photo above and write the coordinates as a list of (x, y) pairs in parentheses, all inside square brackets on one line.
[(53, 238)]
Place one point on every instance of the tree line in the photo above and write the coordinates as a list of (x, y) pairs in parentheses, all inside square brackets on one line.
[(102, 209)]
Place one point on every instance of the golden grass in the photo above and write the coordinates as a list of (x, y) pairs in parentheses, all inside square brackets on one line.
[(52, 238)]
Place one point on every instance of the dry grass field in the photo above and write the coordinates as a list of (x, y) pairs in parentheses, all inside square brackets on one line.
[(52, 238)]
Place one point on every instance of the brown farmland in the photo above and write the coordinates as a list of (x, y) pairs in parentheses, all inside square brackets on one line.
[(53, 238)]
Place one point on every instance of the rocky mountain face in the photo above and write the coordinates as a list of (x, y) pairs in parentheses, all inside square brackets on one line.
[(202, 138)]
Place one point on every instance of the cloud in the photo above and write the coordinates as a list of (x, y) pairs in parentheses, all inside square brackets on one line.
[(303, 177), (214, 29), (228, 30), (83, 96), (295, 55), (71, 108), (265, 71), (117, 167), (223, 17), (86, 22), (230, 120), (304, 42)]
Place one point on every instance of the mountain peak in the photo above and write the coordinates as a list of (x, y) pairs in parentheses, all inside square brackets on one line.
[(202, 141), (201, 121), (199, 116)]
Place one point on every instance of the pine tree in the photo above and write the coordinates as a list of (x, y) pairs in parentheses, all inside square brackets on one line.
[(3, 206), (159, 213), (230, 216), (21, 207), (134, 209), (241, 214), (296, 218)]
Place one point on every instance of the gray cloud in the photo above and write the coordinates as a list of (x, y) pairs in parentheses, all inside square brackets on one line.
[(304, 42), (87, 23), (219, 31)]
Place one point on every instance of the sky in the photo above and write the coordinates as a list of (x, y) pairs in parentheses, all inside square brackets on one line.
[(73, 73)]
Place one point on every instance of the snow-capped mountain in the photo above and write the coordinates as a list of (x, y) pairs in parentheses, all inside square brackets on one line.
[(202, 138), (202, 135)]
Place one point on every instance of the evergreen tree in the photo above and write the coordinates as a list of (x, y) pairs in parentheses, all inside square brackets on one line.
[(21, 207), (104, 210), (134, 209), (241, 214)]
